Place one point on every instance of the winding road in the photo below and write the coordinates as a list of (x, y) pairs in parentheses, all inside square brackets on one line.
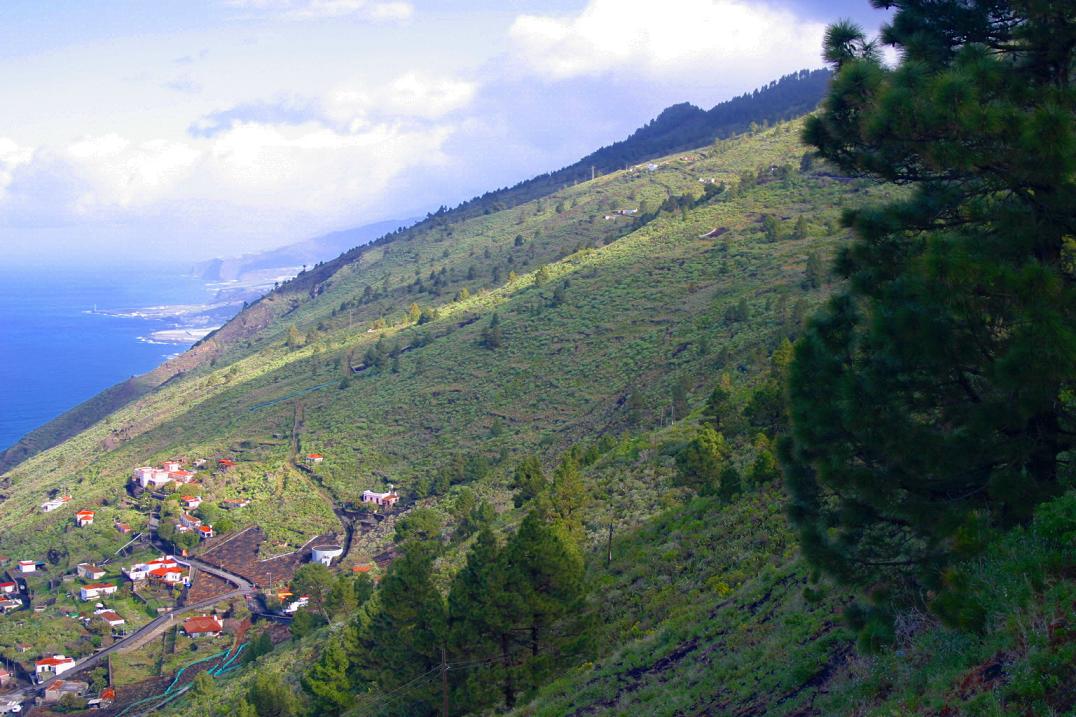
[(152, 629)]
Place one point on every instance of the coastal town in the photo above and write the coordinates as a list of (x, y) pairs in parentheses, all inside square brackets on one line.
[(189, 570)]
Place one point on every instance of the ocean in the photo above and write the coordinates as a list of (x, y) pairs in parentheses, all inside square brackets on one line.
[(61, 342)]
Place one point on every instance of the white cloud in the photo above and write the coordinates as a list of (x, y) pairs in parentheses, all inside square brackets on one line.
[(113, 172), (377, 10), (411, 95), (253, 182), (12, 156), (667, 38)]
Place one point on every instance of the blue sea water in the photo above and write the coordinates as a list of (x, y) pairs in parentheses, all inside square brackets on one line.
[(56, 352)]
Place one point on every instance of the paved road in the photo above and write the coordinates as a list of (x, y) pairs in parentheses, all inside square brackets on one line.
[(151, 630)]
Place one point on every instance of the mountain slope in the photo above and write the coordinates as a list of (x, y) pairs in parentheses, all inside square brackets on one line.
[(612, 330), (683, 128)]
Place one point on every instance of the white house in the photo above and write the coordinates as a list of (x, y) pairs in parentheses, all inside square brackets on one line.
[(84, 518), (51, 505), (96, 590), (89, 571), (171, 466), (205, 532), (27, 566), (110, 616), (149, 477), (55, 665), (141, 571), (9, 588), (188, 521), (385, 500), (191, 502), (170, 576)]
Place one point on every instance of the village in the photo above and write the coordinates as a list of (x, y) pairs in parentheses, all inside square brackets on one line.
[(188, 573)]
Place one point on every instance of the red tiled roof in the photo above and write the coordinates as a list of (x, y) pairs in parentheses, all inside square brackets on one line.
[(201, 624), (161, 572), (98, 586), (53, 661)]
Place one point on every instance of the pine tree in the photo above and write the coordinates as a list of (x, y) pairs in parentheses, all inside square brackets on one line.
[(271, 696), (406, 633), (800, 229), (528, 481), (295, 339), (931, 402), (327, 680), (483, 614), (770, 228), (813, 273), (567, 500), (701, 461), (546, 573), (492, 336)]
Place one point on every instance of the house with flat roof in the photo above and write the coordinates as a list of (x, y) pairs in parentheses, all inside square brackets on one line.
[(96, 590)]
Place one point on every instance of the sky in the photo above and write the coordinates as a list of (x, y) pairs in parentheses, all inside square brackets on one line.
[(187, 129)]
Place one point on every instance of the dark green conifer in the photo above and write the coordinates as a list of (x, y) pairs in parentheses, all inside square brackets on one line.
[(932, 401)]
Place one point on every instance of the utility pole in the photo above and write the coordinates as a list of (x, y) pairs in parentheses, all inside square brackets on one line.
[(609, 547), (444, 683)]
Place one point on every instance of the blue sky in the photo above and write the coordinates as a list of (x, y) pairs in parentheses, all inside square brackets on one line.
[(203, 128)]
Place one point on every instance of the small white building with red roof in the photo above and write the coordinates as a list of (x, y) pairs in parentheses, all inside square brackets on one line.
[(27, 566), (205, 532), (113, 618), (188, 522), (9, 588), (191, 502), (84, 518), (314, 458), (169, 576), (54, 665), (141, 571)]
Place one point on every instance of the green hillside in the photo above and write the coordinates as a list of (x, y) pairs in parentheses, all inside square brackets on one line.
[(592, 310), (436, 361)]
